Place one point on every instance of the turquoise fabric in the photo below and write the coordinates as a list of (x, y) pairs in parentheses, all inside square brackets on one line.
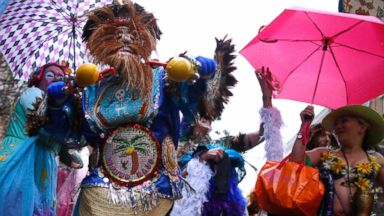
[(28, 169), (28, 181), (15, 134), (237, 159)]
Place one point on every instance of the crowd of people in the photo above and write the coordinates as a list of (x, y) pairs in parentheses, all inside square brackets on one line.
[(142, 135)]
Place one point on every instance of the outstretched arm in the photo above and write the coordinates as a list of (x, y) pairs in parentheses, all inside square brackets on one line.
[(264, 77), (244, 142), (299, 152), (299, 147)]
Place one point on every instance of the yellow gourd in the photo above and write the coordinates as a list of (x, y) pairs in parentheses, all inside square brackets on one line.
[(180, 69)]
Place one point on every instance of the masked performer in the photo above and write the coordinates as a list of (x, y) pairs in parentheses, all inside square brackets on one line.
[(133, 117), (28, 169), (215, 168)]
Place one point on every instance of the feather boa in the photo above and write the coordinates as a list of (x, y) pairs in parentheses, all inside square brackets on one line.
[(198, 177), (231, 204), (273, 140)]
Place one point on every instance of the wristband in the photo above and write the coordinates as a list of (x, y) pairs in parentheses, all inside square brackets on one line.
[(299, 136)]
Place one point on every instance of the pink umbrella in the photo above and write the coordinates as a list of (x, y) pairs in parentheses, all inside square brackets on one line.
[(324, 58)]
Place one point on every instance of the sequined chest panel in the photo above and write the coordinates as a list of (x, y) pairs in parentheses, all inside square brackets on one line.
[(111, 104)]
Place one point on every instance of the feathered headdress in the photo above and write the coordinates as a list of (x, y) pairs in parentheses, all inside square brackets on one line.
[(218, 88)]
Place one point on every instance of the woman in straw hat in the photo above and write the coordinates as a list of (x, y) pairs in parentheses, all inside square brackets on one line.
[(350, 172)]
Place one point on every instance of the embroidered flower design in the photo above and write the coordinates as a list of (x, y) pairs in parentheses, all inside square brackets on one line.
[(3, 157), (128, 147), (129, 150)]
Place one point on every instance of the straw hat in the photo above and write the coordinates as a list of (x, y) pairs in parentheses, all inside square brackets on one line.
[(375, 132)]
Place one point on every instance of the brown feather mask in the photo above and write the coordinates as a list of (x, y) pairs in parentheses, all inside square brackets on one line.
[(123, 36)]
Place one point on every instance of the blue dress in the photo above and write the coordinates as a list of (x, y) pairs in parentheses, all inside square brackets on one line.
[(28, 169)]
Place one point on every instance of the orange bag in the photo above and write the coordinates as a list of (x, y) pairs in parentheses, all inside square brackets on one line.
[(289, 188)]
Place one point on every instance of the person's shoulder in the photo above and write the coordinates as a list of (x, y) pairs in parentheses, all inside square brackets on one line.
[(379, 157)]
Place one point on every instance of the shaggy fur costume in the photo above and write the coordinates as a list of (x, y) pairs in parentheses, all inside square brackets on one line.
[(124, 36)]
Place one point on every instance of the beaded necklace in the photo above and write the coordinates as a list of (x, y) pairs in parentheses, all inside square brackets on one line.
[(348, 177)]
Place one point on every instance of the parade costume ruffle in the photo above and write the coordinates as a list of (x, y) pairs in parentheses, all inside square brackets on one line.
[(273, 140), (28, 181), (28, 170), (231, 203), (192, 203)]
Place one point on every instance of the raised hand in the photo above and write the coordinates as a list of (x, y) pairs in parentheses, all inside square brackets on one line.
[(215, 154), (307, 114), (267, 85)]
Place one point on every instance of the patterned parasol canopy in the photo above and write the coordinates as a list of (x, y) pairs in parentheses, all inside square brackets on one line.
[(35, 32)]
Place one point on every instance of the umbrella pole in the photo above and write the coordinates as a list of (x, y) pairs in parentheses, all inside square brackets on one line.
[(318, 76), (73, 20)]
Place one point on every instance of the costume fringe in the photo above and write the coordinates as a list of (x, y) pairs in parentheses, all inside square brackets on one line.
[(36, 117), (273, 140), (198, 177), (219, 86), (143, 197)]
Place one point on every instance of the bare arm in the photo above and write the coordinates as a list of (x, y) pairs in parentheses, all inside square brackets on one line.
[(264, 77), (250, 140), (299, 147), (298, 150), (253, 139)]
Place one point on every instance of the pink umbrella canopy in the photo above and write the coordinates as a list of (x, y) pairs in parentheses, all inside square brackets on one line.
[(324, 58)]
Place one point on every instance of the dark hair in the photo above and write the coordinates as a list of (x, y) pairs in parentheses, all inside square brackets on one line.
[(366, 145), (317, 131)]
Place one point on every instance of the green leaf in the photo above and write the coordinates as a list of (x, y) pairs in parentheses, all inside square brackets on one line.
[(135, 138)]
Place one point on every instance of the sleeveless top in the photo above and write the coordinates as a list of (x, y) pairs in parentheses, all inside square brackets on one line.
[(360, 176)]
